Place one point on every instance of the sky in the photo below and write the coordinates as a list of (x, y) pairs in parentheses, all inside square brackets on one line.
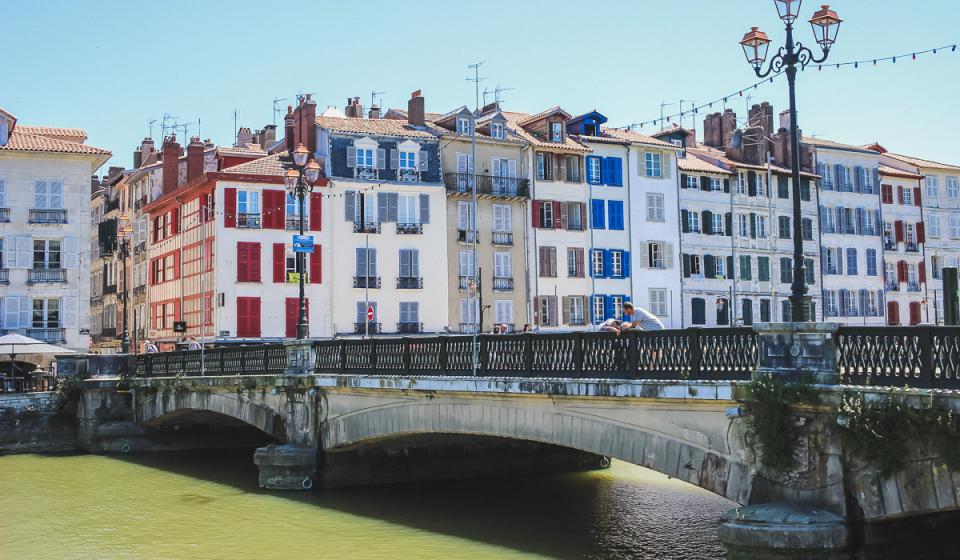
[(110, 67)]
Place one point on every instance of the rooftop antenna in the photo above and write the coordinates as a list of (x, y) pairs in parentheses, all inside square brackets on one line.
[(236, 114), (164, 126), (185, 127), (303, 95), (476, 79), (663, 104), (472, 222), (150, 127), (275, 110), (496, 94), (374, 95)]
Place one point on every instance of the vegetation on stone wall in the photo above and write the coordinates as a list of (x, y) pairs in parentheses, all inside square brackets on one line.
[(772, 428), (68, 391), (887, 432)]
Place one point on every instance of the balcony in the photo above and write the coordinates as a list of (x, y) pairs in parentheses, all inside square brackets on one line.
[(409, 283), (361, 328), (293, 223), (248, 221), (46, 276), (47, 216), (366, 173), (139, 248), (468, 328), (892, 286), (503, 284), (409, 328), (466, 235), (465, 282), (889, 245), (913, 287), (487, 185), (366, 227), (409, 229), (109, 332), (912, 247), (366, 281), (139, 291), (5, 215), (408, 175), (50, 335), (4, 275), (503, 238)]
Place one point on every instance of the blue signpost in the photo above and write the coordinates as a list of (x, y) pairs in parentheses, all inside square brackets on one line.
[(302, 243)]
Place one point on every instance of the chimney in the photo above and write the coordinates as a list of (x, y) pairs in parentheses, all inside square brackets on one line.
[(308, 122), (268, 136), (137, 158), (374, 112), (244, 137), (194, 158), (354, 109), (288, 130), (415, 109), (171, 164), (785, 120), (728, 124)]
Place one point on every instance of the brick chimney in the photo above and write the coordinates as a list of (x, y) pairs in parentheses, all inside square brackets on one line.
[(415, 109), (374, 112), (268, 135), (288, 129), (308, 123), (171, 163), (244, 137), (194, 158), (762, 115), (728, 123), (354, 108)]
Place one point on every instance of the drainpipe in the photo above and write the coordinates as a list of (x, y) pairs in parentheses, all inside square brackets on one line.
[(629, 229), (823, 287), (536, 276)]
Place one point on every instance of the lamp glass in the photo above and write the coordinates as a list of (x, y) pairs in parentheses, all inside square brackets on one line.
[(825, 24), (788, 9), (300, 155), (312, 172), (755, 45), (291, 179)]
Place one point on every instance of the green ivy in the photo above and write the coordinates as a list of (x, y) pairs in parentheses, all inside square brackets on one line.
[(885, 433), (772, 428), (68, 391)]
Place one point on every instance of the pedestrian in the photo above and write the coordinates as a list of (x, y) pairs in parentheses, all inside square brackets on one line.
[(526, 328), (150, 347), (640, 318), (192, 344)]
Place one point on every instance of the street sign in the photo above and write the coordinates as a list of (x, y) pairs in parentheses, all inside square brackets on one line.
[(302, 243), (180, 326), (370, 313), (294, 278)]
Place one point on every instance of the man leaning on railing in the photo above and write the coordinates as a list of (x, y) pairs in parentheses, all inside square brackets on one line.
[(634, 318)]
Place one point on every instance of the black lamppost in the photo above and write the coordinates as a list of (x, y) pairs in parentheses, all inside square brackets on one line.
[(299, 181), (123, 247), (755, 43)]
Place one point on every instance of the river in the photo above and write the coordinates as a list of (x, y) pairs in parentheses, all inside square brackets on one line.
[(207, 506)]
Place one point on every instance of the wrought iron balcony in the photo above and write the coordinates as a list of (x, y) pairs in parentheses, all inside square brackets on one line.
[(139, 248), (293, 223), (889, 244), (409, 229), (409, 328), (51, 335), (366, 281), (892, 286), (912, 247), (409, 283), (5, 215), (469, 328), (366, 227), (408, 175), (466, 235), (96, 300), (487, 184), (465, 282), (503, 238), (366, 173), (249, 221), (46, 275), (913, 287), (139, 291), (503, 284), (47, 216), (360, 328), (4, 275)]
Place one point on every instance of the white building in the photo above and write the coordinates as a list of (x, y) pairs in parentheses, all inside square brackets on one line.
[(44, 223)]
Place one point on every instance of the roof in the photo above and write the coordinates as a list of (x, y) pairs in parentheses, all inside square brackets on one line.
[(923, 162), (378, 127), (637, 138), (831, 145), (401, 114), (543, 114), (676, 128), (25, 142), (272, 165), (695, 164), (9, 115), (894, 172), (248, 150), (69, 134), (720, 159), (514, 120)]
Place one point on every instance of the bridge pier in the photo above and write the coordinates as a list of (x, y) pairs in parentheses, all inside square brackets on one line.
[(286, 467)]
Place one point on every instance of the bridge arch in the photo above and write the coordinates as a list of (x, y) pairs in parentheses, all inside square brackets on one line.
[(696, 461), (164, 406)]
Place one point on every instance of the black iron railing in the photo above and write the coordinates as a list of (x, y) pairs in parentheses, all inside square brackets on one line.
[(487, 184), (249, 221), (47, 216), (49, 334), (920, 357), (366, 227), (409, 229), (409, 283), (266, 359), (46, 275), (4, 275), (366, 281), (5, 215), (502, 284), (502, 238)]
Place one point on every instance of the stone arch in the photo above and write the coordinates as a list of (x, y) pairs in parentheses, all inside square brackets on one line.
[(164, 405), (714, 470)]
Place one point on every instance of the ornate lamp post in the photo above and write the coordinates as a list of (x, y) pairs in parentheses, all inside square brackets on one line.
[(299, 181), (755, 43)]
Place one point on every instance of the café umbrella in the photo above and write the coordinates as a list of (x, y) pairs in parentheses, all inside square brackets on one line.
[(14, 345)]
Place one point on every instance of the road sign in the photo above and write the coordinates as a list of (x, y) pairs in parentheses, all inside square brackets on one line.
[(370, 313), (294, 278), (302, 243), (180, 326)]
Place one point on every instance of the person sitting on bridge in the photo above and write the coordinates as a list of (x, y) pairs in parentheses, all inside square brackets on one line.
[(150, 348), (192, 344)]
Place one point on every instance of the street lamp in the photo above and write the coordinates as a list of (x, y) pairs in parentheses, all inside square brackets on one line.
[(755, 43), (299, 181)]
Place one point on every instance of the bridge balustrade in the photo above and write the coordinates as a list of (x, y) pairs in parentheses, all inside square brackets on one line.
[(919, 356), (231, 360)]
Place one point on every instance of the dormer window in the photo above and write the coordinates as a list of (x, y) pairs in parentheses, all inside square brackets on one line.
[(496, 130), (408, 160), (590, 129), (464, 126), (364, 157), (4, 131), (556, 132)]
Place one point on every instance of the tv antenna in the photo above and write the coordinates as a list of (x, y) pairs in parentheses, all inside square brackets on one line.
[(303, 95), (373, 97), (663, 105), (476, 79), (236, 115), (164, 124), (150, 127), (496, 94), (275, 110)]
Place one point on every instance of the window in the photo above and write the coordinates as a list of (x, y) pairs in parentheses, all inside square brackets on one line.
[(573, 169), (698, 311), (616, 264), (503, 311), (468, 266), (696, 268), (496, 131), (617, 302), (502, 220), (843, 179), (720, 267), (786, 270), (658, 301), (936, 266), (693, 222), (871, 262), (783, 187), (758, 184), (742, 183), (763, 269), (598, 214), (723, 311), (547, 310), (933, 225), (716, 185), (907, 196), (598, 309), (933, 186), (615, 209), (761, 227), (293, 207), (807, 225), (746, 272), (46, 313), (408, 160), (593, 170), (596, 262), (502, 265), (409, 312), (3, 193), (954, 226), (466, 220), (366, 263), (784, 227), (248, 208), (693, 182), (717, 224), (827, 178), (365, 157), (545, 166), (556, 132), (468, 314), (574, 310), (851, 262), (575, 262), (48, 194), (548, 262), (574, 217), (46, 254), (655, 212), (655, 253), (289, 263), (953, 187), (742, 225), (652, 167), (464, 125), (409, 263)]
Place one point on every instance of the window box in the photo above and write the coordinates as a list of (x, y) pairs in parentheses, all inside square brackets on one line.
[(366, 227), (488, 184), (50, 335), (503, 284), (468, 328), (361, 328), (47, 216), (139, 290), (366, 281), (46, 276), (503, 238), (913, 287), (912, 246), (409, 328), (409, 283), (892, 286), (409, 229)]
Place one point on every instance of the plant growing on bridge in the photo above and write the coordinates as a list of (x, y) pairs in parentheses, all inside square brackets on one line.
[(887, 432), (772, 427), (68, 391)]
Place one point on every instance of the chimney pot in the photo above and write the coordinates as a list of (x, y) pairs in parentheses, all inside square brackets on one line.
[(416, 112), (171, 164)]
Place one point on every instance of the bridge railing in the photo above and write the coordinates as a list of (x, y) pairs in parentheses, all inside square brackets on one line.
[(920, 357), (232, 360), (727, 354)]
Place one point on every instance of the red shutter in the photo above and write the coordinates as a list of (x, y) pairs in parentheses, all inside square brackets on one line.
[(243, 261), (898, 230), (248, 317), (921, 233), (279, 262), (273, 203), (248, 262), (914, 312), (900, 195), (893, 313), (916, 196), (292, 309), (922, 272), (902, 271), (230, 208), (316, 212), (176, 265), (535, 219), (316, 265), (254, 262), (156, 229), (556, 215), (175, 220)]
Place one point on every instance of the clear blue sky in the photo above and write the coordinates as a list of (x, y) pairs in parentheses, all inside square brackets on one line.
[(111, 66)]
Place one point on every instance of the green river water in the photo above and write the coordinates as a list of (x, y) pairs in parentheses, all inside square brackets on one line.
[(207, 506)]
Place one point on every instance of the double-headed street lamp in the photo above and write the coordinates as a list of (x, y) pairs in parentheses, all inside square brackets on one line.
[(755, 43), (299, 181)]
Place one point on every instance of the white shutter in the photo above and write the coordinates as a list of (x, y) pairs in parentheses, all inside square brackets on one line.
[(56, 194), (24, 312), (373, 261), (644, 255), (69, 310), (71, 253), (512, 168), (24, 248), (10, 303), (10, 253), (668, 255), (40, 194), (463, 212), (415, 263)]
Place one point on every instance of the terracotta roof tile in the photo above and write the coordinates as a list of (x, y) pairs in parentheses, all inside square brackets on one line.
[(888, 171), (513, 122), (717, 157), (22, 142), (378, 127), (636, 137), (923, 162), (693, 163), (533, 118), (273, 165), (401, 114), (68, 134), (830, 144)]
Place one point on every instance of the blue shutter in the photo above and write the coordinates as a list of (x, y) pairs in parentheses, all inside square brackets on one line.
[(599, 221), (616, 214), (607, 307), (626, 265), (614, 171), (619, 167), (607, 263), (604, 170)]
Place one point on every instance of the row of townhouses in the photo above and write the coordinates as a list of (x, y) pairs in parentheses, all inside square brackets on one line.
[(572, 219)]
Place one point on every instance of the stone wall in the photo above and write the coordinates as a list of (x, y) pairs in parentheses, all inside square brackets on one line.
[(29, 424)]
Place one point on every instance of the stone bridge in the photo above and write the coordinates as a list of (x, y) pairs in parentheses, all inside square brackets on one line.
[(352, 412)]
